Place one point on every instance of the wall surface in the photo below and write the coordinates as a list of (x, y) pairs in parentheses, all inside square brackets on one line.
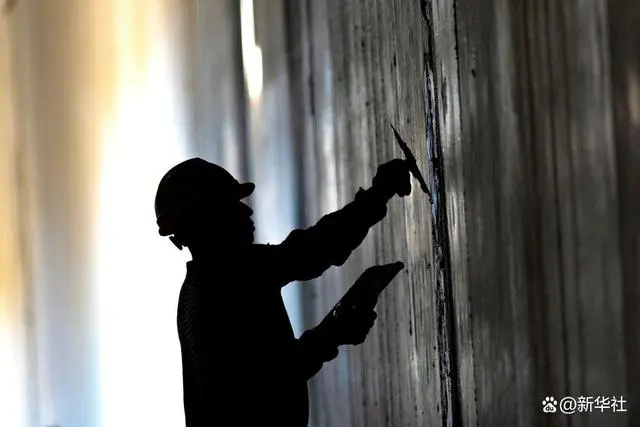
[(361, 68), (522, 271), (522, 276)]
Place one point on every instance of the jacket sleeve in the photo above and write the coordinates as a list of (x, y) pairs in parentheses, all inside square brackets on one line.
[(307, 253)]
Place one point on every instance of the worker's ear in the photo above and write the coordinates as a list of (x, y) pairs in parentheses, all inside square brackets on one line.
[(176, 242)]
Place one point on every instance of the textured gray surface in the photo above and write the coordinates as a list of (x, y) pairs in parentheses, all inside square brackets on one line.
[(531, 109), (361, 66), (524, 115)]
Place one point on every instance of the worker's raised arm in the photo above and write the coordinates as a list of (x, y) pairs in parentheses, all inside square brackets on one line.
[(307, 253)]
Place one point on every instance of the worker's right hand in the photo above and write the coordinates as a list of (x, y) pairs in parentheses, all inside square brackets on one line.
[(393, 177)]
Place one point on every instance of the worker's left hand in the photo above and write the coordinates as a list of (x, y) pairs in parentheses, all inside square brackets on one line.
[(349, 326)]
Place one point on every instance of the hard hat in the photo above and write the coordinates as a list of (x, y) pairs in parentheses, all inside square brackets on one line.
[(189, 182)]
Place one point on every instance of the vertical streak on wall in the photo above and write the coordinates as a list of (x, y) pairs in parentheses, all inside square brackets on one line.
[(271, 148), (624, 46), (13, 327), (213, 58), (26, 202), (447, 353), (444, 60), (312, 73)]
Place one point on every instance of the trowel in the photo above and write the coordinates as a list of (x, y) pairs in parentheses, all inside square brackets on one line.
[(364, 293), (412, 163)]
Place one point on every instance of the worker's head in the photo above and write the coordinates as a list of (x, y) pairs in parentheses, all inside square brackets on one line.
[(200, 203)]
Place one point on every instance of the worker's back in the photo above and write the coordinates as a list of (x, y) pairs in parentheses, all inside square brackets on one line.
[(238, 346)]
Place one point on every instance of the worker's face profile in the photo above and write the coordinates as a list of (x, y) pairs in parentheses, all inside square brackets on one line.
[(231, 219), (243, 223)]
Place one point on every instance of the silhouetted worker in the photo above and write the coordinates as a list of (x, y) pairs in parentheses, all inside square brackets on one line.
[(242, 364)]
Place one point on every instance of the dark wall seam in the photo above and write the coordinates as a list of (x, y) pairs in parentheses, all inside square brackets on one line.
[(446, 336)]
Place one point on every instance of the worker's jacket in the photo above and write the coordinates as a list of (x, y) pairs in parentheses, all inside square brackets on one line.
[(242, 364)]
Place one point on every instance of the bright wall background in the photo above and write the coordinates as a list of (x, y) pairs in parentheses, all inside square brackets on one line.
[(94, 110), (98, 99), (137, 274), (12, 329)]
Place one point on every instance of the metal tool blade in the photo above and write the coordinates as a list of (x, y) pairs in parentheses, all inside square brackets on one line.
[(411, 160)]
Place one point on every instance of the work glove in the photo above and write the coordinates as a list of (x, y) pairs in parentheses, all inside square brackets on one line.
[(392, 177)]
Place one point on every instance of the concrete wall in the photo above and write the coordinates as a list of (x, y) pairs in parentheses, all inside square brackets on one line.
[(524, 115), (522, 276), (360, 67)]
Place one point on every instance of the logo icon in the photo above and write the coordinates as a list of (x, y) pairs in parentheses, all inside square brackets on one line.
[(549, 405)]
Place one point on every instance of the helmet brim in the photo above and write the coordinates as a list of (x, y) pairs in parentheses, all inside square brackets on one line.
[(246, 189)]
